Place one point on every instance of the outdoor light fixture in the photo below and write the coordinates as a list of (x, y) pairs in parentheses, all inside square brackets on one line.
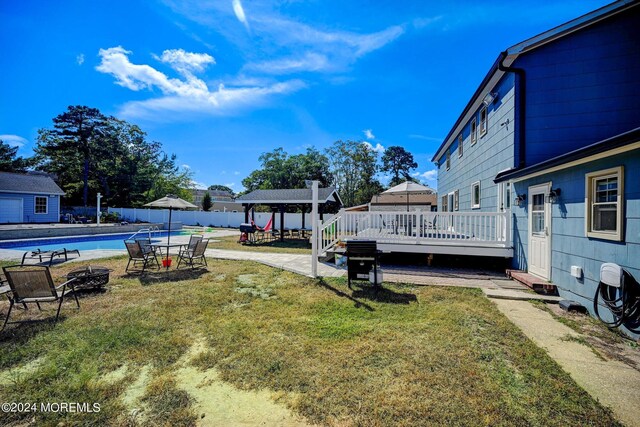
[(554, 195), (489, 98), (520, 198)]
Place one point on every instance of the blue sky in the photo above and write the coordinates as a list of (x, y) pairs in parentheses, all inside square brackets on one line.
[(220, 82)]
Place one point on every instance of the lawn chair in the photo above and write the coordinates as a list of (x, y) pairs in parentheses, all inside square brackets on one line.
[(34, 284), (193, 242), (194, 257), (140, 252), (64, 252)]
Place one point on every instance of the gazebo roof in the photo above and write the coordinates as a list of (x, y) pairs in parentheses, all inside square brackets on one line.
[(290, 196)]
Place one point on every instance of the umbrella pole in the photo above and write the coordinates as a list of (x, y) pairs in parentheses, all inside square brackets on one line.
[(168, 238)]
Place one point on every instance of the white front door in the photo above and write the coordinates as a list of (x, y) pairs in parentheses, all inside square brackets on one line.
[(540, 231)]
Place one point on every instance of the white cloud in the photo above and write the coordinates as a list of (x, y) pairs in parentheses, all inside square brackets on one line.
[(186, 63), (80, 59), (236, 173), (430, 175), (378, 148), (199, 185), (369, 134), (185, 166), (426, 138), (309, 61), (188, 95), (239, 11), (278, 44), (13, 140)]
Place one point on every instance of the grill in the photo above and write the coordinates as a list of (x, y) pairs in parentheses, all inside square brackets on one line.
[(362, 259), (247, 228)]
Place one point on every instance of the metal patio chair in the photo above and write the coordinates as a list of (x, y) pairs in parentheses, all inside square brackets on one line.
[(140, 252), (195, 257), (34, 284)]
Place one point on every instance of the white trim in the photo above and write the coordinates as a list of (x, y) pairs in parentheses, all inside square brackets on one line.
[(33, 192), (590, 177), (603, 155), (545, 187), (484, 131), (46, 212), (473, 205), (473, 132)]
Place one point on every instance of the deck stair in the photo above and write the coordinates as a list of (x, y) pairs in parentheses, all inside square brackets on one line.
[(533, 282)]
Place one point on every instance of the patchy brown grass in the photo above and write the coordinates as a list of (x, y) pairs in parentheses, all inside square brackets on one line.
[(401, 356)]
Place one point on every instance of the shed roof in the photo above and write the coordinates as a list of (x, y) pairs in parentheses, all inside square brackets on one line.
[(28, 183), (291, 196)]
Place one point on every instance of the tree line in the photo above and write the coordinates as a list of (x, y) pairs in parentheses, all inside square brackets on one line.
[(350, 166), (89, 152)]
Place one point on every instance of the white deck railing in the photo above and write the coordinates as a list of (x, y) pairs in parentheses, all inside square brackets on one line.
[(489, 229)]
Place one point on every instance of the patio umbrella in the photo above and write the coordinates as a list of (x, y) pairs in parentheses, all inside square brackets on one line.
[(407, 188), (171, 202)]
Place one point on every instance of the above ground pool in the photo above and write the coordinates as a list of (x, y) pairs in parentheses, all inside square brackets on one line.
[(82, 243)]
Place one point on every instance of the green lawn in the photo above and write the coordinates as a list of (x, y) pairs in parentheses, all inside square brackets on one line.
[(330, 356), (299, 246)]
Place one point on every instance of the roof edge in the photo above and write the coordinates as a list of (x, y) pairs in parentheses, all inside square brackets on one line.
[(609, 144)]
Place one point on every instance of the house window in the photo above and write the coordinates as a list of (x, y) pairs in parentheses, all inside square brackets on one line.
[(475, 195), (483, 121), (460, 145), (448, 159), (474, 131), (41, 205), (444, 204), (456, 200), (604, 206), (507, 201)]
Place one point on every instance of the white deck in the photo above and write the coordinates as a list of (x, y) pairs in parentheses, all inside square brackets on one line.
[(455, 233)]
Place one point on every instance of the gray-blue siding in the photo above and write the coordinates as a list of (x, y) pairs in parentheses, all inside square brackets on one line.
[(583, 87), (482, 161), (28, 207), (569, 244)]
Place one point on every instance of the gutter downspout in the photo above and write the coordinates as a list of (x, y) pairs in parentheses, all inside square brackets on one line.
[(520, 121)]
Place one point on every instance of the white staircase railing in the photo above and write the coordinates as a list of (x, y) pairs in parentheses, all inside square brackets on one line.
[(444, 228)]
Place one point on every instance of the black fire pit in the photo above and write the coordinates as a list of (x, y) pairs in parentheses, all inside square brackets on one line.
[(91, 276)]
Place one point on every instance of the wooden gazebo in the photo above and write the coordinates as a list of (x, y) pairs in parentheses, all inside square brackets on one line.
[(279, 200)]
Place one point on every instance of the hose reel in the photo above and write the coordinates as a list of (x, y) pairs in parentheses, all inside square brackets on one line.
[(620, 293)]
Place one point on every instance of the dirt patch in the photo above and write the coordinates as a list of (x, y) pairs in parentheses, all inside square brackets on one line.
[(115, 376), (219, 403), (135, 391), (13, 375), (250, 287), (605, 343)]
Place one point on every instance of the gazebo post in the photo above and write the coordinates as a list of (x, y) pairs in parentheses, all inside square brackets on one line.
[(246, 212), (281, 207), (321, 211), (304, 209)]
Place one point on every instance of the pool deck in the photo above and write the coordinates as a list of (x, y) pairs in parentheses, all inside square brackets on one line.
[(39, 231)]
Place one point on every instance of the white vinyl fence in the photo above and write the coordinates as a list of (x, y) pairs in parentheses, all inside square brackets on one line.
[(214, 219)]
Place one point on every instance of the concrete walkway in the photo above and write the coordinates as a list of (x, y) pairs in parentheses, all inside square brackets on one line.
[(613, 383)]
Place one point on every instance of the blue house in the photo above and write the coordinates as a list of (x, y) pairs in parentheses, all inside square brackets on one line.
[(28, 198), (552, 135)]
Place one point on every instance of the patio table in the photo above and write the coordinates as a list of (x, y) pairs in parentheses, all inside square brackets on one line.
[(167, 247)]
